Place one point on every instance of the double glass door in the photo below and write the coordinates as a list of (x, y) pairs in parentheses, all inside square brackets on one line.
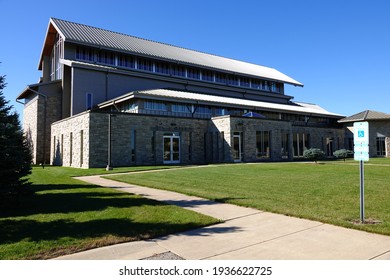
[(171, 149)]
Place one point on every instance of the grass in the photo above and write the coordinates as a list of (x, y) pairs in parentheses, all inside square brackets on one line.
[(326, 192), (65, 215)]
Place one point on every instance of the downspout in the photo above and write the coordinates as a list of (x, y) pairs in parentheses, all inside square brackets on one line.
[(44, 122), (107, 73)]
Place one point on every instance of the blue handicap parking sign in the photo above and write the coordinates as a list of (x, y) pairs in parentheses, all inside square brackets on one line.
[(361, 133)]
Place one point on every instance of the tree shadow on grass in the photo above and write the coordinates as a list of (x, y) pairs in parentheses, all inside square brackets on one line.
[(60, 212), (12, 231), (74, 198)]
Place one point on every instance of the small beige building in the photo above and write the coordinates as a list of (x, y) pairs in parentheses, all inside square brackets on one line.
[(379, 131)]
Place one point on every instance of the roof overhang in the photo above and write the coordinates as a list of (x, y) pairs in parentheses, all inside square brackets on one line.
[(34, 89), (48, 44), (205, 99)]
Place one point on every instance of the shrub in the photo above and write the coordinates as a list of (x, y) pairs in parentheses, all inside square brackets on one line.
[(343, 153), (314, 154)]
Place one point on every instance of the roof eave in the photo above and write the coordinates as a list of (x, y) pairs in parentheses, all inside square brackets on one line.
[(52, 30)]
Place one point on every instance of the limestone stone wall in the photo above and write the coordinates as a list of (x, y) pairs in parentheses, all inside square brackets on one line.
[(327, 139), (70, 141), (40, 111), (143, 133), (33, 110), (136, 139)]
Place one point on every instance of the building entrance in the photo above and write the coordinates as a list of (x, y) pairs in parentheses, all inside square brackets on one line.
[(171, 149)]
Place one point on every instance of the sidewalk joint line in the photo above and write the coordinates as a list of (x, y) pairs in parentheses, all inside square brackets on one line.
[(374, 257), (265, 241)]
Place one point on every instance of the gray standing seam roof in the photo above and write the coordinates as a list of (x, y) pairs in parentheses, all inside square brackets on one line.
[(87, 35), (175, 95)]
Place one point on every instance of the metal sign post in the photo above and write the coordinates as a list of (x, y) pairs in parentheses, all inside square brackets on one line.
[(362, 191), (361, 153)]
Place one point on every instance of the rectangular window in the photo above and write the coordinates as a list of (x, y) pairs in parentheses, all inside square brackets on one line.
[(105, 57), (221, 111), (88, 100), (265, 85), (220, 78), (329, 146), (203, 110), (133, 145), (207, 75), (126, 61), (300, 144), (380, 146), (145, 64), (263, 144), (178, 70), (180, 108), (190, 146), (162, 68), (285, 144), (153, 145), (155, 105), (56, 55), (232, 80), (245, 82), (256, 84), (86, 54), (129, 107), (193, 73), (275, 87)]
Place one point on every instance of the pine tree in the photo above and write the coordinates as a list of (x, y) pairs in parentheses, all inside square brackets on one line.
[(15, 154)]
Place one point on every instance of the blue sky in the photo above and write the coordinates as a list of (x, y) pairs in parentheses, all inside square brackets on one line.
[(340, 50)]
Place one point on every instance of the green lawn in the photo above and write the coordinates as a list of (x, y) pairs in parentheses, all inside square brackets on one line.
[(326, 192), (65, 215)]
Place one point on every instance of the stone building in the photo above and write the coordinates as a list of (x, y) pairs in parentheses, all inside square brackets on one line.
[(379, 131), (110, 99)]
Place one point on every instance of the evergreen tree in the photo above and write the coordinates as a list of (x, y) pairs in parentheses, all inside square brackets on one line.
[(15, 155)]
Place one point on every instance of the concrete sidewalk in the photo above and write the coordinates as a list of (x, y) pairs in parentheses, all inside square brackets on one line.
[(246, 234)]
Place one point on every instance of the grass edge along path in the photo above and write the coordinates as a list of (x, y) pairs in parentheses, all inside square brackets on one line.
[(326, 192), (65, 216)]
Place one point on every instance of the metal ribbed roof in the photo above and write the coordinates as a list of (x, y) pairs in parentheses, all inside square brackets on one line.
[(190, 97), (367, 115), (92, 36)]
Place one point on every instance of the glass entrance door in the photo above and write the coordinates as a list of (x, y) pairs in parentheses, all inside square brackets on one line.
[(171, 149), (237, 147)]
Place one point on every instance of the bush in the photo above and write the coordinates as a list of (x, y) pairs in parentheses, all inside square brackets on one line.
[(343, 153), (314, 154)]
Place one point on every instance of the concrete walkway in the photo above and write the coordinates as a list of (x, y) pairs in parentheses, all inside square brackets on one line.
[(246, 234)]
